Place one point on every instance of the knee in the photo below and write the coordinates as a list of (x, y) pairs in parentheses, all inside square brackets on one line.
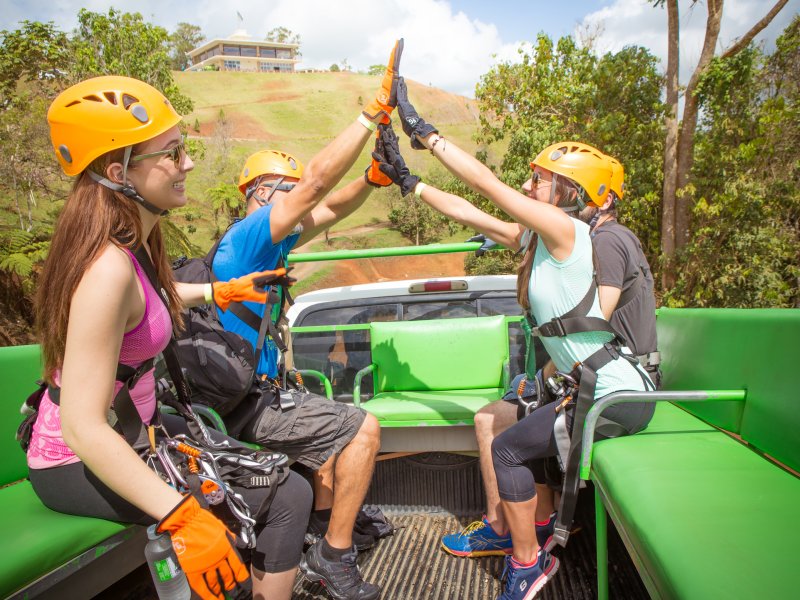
[(370, 432)]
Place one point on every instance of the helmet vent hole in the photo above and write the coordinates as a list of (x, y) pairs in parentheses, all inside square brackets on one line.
[(111, 97), (73, 103), (92, 98), (127, 100), (140, 113)]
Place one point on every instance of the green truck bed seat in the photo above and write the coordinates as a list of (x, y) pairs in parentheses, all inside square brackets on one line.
[(704, 515)]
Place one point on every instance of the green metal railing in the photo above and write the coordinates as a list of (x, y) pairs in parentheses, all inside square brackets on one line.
[(385, 252)]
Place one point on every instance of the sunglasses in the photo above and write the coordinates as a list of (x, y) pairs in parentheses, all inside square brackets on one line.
[(175, 153), (536, 180)]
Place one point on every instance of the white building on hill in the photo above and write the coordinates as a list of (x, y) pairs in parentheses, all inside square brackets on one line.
[(240, 52)]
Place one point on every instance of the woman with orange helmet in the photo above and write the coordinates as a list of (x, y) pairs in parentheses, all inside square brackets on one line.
[(99, 313), (557, 290)]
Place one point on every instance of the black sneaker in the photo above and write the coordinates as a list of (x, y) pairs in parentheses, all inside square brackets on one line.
[(341, 579), (318, 527)]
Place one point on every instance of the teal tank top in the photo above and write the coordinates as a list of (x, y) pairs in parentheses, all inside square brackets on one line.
[(555, 288)]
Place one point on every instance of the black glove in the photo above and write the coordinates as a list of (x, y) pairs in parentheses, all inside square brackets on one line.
[(486, 243), (414, 126), (391, 163)]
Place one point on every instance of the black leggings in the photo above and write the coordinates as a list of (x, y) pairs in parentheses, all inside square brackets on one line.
[(73, 489), (519, 447)]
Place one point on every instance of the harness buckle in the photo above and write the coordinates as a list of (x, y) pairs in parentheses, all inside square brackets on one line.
[(612, 350), (559, 327)]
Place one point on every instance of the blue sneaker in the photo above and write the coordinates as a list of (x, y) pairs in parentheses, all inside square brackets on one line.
[(544, 533), (523, 583), (478, 539)]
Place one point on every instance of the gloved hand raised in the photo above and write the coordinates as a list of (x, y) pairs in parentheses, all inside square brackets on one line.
[(373, 175), (385, 100), (414, 126), (487, 243), (250, 287), (204, 549), (391, 162)]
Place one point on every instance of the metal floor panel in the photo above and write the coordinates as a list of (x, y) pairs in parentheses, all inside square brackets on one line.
[(412, 566)]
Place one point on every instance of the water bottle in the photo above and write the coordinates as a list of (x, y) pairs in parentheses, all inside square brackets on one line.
[(168, 577)]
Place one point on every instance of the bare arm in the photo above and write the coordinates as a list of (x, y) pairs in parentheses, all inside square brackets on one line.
[(466, 213), (192, 294), (107, 302), (319, 178), (334, 208), (553, 225), (609, 298)]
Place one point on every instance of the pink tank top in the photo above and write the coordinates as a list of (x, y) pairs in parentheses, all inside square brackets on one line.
[(47, 448)]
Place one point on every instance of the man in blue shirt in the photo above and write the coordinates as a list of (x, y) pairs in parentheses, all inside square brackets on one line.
[(337, 441)]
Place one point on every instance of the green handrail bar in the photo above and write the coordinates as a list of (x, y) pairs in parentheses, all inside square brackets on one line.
[(357, 383), (384, 252), (321, 376), (659, 396)]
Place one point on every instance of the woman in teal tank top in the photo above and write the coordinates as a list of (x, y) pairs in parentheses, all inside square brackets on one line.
[(555, 275)]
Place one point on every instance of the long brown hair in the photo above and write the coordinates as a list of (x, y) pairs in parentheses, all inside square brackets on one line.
[(565, 190), (93, 216)]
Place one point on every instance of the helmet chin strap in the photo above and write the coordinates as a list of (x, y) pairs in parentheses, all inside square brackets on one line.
[(125, 188)]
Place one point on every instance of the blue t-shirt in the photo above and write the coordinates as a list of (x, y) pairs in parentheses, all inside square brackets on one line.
[(247, 247), (555, 288)]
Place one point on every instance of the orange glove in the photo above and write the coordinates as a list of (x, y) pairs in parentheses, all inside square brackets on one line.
[(204, 549), (386, 99), (248, 288), (373, 175)]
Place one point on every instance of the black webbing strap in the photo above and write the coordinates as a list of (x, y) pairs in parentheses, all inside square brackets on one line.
[(569, 493), (248, 316), (184, 403), (129, 421), (576, 320)]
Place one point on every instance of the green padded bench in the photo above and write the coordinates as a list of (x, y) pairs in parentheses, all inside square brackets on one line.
[(431, 377), (46, 553), (702, 513)]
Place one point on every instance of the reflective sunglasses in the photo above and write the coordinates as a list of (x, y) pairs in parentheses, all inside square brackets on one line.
[(175, 153), (536, 180)]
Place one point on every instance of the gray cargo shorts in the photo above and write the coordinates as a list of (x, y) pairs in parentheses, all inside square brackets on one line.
[(310, 432)]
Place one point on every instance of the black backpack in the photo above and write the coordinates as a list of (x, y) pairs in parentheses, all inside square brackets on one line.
[(219, 365)]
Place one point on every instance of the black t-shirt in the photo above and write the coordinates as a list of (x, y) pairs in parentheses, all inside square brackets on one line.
[(621, 263)]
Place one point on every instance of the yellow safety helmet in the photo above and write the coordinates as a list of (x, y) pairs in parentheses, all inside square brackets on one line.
[(103, 114), (581, 163), (268, 162), (617, 177)]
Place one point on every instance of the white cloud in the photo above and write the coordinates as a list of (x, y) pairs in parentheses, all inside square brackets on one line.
[(637, 22), (444, 46)]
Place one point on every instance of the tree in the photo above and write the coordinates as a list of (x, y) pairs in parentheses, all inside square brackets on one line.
[(282, 35), (334, 68), (679, 140), (183, 40), (37, 54), (558, 91), (124, 44), (376, 70), (746, 183)]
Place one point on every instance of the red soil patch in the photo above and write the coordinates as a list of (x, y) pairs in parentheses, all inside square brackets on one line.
[(373, 270), (242, 127)]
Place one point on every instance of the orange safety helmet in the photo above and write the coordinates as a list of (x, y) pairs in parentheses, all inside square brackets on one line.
[(581, 163), (617, 177), (268, 162), (103, 114)]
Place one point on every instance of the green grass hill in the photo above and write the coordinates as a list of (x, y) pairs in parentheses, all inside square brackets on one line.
[(238, 113)]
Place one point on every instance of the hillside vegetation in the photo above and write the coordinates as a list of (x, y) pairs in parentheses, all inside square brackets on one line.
[(236, 114)]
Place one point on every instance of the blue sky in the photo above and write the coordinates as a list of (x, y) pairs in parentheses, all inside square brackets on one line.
[(449, 43)]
